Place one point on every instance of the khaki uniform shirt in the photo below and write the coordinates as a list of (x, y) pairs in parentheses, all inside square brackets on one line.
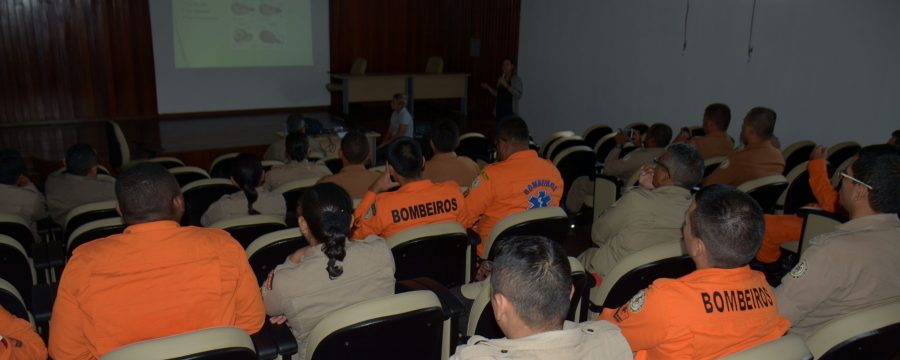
[(276, 150), (355, 179), (854, 267), (625, 167), (293, 171), (640, 219), (235, 205), (714, 145), (66, 192), (587, 340), (450, 167), (304, 294), (750, 163), (25, 201)]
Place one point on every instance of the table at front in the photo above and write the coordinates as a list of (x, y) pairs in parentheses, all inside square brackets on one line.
[(382, 87)]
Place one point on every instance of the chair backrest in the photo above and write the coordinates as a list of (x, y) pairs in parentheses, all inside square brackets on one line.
[(167, 161), (593, 134), (697, 130), (333, 163), (15, 266), (16, 227), (788, 347), (293, 190), (212, 343), (603, 146), (438, 251), (765, 190), (199, 195), (409, 325), (711, 164), (270, 250), (606, 191), (245, 229), (562, 144), (867, 334), (840, 152), (89, 212), (12, 300), (269, 164), (798, 192), (221, 166), (188, 174), (359, 66), (435, 65), (572, 163), (836, 176), (94, 230), (550, 221), (119, 152), (639, 270), (552, 138), (796, 153), (474, 146)]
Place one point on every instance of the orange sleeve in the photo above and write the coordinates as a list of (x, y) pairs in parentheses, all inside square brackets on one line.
[(19, 339), (821, 186), (478, 197), (366, 219), (644, 320), (67, 338), (249, 311)]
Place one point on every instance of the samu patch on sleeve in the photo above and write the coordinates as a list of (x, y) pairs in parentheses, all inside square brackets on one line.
[(799, 270)]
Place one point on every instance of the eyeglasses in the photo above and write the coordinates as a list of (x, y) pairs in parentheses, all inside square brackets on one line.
[(858, 181), (656, 162)]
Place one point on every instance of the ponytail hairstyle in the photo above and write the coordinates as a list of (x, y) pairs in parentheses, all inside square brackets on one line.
[(328, 212), (247, 172)]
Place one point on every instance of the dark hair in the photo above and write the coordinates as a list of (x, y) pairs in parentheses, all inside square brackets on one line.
[(12, 165), (513, 129), (445, 135), (295, 123), (80, 158), (296, 145), (328, 212), (145, 193), (879, 167), (247, 172), (763, 121), (533, 272), (730, 224), (660, 133), (355, 146), (685, 165), (405, 156), (719, 114)]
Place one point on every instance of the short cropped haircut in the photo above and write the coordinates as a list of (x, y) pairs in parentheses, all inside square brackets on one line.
[(685, 165), (513, 129), (730, 224), (80, 158), (296, 145), (355, 146), (295, 122), (533, 272), (145, 193), (405, 156), (401, 99), (719, 114), (660, 133), (12, 165), (879, 167), (445, 135), (763, 121)]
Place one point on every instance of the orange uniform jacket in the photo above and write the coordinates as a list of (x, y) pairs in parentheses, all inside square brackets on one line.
[(417, 203), (521, 182), (20, 342), (707, 314), (156, 279)]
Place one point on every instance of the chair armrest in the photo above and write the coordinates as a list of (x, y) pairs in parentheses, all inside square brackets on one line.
[(40, 261), (284, 339), (266, 349), (42, 298)]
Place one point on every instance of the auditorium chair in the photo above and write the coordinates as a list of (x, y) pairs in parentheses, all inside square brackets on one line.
[(696, 130), (271, 250), (200, 194), (120, 152), (207, 344), (86, 213), (711, 164), (167, 162), (245, 229), (221, 166), (269, 164), (16, 267), (293, 191), (435, 65), (101, 170), (13, 302), (188, 174), (474, 146), (551, 222), (573, 163), (604, 146), (607, 189), (16, 227), (636, 272), (798, 192), (788, 347), (562, 144), (410, 325), (94, 230), (639, 126), (333, 163), (840, 152), (594, 133), (358, 68), (836, 173), (551, 139), (871, 333), (439, 251), (795, 154), (632, 181), (765, 190), (815, 222)]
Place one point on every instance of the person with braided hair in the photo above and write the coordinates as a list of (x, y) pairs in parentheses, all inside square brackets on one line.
[(253, 199), (332, 271)]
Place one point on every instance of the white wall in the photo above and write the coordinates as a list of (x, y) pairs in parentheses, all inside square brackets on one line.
[(829, 68)]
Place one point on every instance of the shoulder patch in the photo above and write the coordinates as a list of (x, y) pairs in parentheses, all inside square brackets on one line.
[(637, 302), (371, 212), (482, 176), (799, 270)]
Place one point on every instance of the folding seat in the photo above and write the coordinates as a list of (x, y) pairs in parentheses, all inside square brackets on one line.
[(89, 212), (788, 347), (474, 146), (292, 192), (270, 250), (188, 174), (594, 133), (13, 302), (765, 190), (866, 334), (439, 251), (119, 150), (16, 227), (607, 189), (221, 166), (333, 163), (213, 343), (796, 153), (572, 163), (358, 68), (16, 268), (245, 229), (836, 174), (94, 230), (798, 192), (200, 194), (167, 161), (551, 222), (551, 139), (711, 164), (840, 152), (269, 164), (562, 144), (434, 65), (604, 146)]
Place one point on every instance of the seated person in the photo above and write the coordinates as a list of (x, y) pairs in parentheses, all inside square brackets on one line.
[(715, 142), (758, 158), (417, 202), (298, 168), (331, 272), (648, 215), (401, 121), (253, 199), (519, 181), (275, 151), (18, 341), (445, 165), (856, 266), (895, 137), (19, 195), (353, 177), (79, 184), (722, 307), (531, 287), (156, 279)]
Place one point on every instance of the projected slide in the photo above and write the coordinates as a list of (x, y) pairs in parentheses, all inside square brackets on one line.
[(241, 33)]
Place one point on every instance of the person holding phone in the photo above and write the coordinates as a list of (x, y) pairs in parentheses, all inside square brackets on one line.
[(508, 91)]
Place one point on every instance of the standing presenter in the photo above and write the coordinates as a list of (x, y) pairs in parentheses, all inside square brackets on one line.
[(508, 91)]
